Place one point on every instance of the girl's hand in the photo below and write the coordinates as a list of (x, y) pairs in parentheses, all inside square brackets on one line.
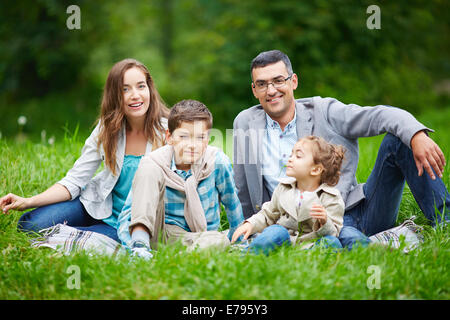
[(245, 229), (318, 212), (14, 202)]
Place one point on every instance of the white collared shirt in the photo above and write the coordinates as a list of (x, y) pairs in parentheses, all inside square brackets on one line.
[(277, 148)]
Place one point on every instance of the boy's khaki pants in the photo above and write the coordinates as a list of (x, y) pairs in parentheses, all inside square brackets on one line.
[(147, 208)]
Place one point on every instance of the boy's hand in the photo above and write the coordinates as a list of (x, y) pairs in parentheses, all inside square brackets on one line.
[(245, 230), (318, 212)]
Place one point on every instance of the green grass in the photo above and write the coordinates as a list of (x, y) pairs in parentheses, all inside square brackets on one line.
[(27, 273)]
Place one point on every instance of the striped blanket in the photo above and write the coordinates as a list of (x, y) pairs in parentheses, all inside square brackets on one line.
[(66, 239)]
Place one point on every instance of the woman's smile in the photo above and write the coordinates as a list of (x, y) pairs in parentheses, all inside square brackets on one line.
[(136, 105)]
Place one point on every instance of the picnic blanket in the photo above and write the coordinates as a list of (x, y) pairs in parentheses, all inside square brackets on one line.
[(66, 240)]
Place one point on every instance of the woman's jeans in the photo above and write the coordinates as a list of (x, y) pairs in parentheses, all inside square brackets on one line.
[(275, 236), (383, 193), (71, 212)]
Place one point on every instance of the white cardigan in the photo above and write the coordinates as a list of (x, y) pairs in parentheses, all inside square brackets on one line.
[(96, 193)]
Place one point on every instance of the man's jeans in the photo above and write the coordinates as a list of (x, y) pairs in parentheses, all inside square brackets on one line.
[(275, 236), (383, 190), (72, 212)]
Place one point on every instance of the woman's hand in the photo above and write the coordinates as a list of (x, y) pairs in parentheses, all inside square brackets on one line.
[(14, 202), (318, 212), (54, 194), (245, 230)]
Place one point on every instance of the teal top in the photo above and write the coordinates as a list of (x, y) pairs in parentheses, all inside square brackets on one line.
[(123, 187)]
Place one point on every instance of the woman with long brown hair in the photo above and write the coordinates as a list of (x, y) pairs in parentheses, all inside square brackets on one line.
[(132, 121)]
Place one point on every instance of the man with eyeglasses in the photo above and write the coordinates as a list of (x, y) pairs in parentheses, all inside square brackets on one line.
[(265, 134)]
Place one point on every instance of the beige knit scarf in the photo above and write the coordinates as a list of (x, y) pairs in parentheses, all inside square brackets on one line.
[(193, 210)]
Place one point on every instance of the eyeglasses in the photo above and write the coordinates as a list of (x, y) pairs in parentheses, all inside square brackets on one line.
[(262, 85)]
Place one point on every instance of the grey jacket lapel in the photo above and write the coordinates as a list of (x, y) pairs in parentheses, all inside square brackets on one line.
[(304, 120), (256, 135)]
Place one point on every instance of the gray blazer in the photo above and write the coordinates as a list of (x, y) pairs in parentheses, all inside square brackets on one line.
[(96, 193), (335, 121)]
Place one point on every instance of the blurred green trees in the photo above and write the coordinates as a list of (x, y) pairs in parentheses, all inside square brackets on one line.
[(202, 49)]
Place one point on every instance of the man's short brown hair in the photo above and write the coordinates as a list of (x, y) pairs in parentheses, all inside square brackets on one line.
[(189, 111)]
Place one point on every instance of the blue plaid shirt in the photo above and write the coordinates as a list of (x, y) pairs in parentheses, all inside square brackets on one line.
[(217, 188), (277, 148)]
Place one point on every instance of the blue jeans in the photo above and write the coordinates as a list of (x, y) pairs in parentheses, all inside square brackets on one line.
[(383, 193), (275, 236), (72, 212)]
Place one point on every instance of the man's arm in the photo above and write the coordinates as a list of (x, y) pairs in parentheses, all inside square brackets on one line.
[(353, 121)]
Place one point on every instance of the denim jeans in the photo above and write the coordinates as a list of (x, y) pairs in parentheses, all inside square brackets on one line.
[(383, 193), (275, 236), (72, 212)]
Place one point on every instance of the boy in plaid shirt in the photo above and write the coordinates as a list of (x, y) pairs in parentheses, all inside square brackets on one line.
[(178, 188)]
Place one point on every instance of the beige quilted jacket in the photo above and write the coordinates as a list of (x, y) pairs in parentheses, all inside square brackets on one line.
[(284, 209)]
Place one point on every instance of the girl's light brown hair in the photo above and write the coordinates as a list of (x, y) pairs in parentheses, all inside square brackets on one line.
[(330, 156), (112, 117)]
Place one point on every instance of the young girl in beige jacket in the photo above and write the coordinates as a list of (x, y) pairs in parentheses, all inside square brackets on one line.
[(305, 205)]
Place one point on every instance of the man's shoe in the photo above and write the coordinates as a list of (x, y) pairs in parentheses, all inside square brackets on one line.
[(408, 231)]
